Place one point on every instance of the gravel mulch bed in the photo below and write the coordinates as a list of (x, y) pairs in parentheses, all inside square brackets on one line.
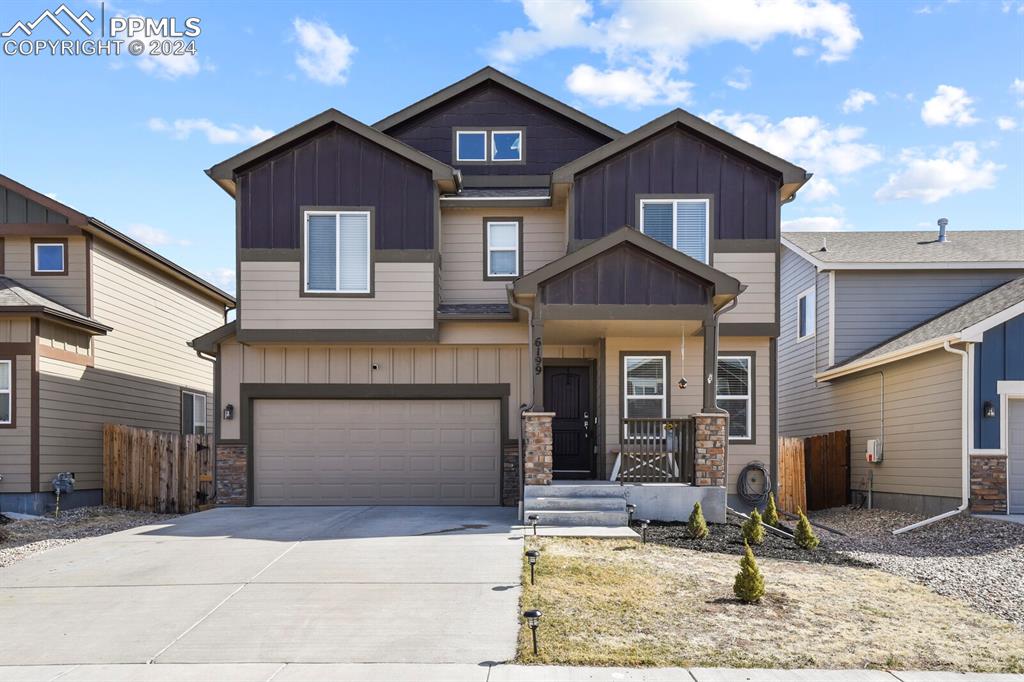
[(23, 538)]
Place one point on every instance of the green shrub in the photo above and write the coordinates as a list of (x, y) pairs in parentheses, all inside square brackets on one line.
[(749, 585), (753, 528), (771, 513), (697, 526), (804, 536)]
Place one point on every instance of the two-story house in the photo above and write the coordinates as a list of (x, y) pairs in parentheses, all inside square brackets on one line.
[(913, 341), (489, 281), (94, 329)]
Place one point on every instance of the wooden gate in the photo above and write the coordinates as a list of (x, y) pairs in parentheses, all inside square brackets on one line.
[(156, 471), (792, 482), (814, 472)]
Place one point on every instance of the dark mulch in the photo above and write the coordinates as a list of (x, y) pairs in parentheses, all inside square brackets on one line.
[(726, 538)]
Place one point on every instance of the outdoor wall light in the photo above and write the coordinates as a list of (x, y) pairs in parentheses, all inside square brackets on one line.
[(988, 409), (229, 412), (643, 531), (682, 383), (630, 510), (533, 620), (532, 518), (531, 556)]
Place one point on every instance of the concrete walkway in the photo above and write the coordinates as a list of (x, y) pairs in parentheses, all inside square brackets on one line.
[(384, 672)]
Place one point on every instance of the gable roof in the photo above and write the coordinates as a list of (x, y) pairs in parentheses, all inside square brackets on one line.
[(725, 285), (100, 229), (964, 248), (223, 172), (16, 298), (489, 73), (966, 322), (793, 176)]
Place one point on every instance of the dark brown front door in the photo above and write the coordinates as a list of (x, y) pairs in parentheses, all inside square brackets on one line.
[(567, 394)]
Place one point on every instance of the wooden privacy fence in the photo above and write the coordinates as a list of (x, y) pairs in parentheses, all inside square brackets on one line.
[(814, 472), (156, 471)]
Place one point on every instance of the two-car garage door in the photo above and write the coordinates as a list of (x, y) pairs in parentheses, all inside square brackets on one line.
[(400, 452)]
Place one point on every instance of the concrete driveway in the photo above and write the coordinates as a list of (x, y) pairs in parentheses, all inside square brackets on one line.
[(274, 585)]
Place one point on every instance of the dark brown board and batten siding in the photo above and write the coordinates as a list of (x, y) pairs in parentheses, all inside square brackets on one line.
[(335, 167), (625, 276), (745, 204), (550, 139), (17, 209)]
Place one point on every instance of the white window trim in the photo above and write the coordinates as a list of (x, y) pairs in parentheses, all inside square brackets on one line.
[(675, 221), (9, 392), (748, 397), (458, 145), (35, 257), (493, 249), (813, 328), (494, 150), (197, 413), (337, 258)]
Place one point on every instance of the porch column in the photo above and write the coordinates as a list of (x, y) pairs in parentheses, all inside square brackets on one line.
[(711, 448), (710, 378), (537, 447)]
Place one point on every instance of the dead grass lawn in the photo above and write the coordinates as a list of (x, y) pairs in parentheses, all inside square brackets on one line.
[(613, 602)]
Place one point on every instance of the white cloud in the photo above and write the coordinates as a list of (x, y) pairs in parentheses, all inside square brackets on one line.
[(739, 78), (1017, 88), (818, 189), (325, 57), (654, 39), (1009, 5), (154, 236), (170, 67), (628, 86), (822, 223), (182, 129), (1006, 123), (857, 99), (802, 51), (949, 105), (956, 169), (222, 277)]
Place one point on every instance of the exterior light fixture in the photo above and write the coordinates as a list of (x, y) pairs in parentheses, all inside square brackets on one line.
[(531, 556), (643, 531), (682, 383), (533, 620), (229, 412), (532, 518), (630, 509), (988, 409)]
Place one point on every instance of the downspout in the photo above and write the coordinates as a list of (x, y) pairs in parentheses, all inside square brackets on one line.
[(524, 407), (965, 468)]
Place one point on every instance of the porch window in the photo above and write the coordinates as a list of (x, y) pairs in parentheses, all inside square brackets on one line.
[(337, 252), (503, 248), (805, 312), (193, 412), (644, 386), (735, 395), (682, 224)]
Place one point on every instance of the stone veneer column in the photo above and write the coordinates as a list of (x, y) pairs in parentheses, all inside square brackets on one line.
[(988, 484), (711, 449), (537, 447), (510, 474), (232, 474)]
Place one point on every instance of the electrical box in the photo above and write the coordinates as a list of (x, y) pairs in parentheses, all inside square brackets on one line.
[(873, 452)]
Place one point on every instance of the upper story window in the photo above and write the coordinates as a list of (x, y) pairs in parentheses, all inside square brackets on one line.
[(735, 395), (683, 224), (503, 250), (49, 257), (805, 312), (337, 247), (193, 412), (488, 146)]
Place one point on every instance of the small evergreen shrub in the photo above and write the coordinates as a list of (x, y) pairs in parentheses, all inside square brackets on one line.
[(753, 528), (771, 513), (804, 536), (697, 527), (749, 585)]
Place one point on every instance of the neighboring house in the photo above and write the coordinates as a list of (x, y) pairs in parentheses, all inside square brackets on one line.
[(94, 328), (407, 288), (914, 340)]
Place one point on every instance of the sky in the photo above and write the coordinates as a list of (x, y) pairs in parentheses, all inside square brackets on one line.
[(904, 111)]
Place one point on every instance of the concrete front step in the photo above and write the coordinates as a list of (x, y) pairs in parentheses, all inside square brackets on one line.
[(589, 490), (536, 504), (578, 517)]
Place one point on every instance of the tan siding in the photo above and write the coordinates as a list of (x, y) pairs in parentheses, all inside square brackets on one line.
[(64, 338), (462, 247), (16, 330), (742, 454), (16, 443), (403, 299), (757, 272), (69, 290), (483, 332)]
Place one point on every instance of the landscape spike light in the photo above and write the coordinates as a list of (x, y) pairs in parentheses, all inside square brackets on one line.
[(531, 556), (532, 518), (533, 620), (630, 509), (643, 530)]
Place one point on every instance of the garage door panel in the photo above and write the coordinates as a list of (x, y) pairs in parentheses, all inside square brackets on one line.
[(377, 451)]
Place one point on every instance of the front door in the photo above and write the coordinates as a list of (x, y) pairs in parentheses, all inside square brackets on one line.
[(567, 394)]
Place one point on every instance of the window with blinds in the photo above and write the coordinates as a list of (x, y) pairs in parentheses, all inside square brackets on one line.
[(682, 224), (735, 395), (337, 252)]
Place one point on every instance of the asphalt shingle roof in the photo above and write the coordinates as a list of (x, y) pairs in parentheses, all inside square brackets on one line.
[(474, 309), (963, 246), (14, 294), (499, 193)]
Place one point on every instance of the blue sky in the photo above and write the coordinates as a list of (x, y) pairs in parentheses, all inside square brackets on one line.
[(905, 111)]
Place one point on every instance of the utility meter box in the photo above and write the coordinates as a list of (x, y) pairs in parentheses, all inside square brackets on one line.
[(874, 451)]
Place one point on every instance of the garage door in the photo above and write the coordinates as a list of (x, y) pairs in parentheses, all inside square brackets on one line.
[(427, 452), (1016, 456)]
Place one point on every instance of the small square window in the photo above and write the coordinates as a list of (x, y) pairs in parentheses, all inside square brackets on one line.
[(507, 145), (48, 257), (471, 145)]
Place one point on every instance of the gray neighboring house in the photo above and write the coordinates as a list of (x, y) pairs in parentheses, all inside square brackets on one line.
[(914, 340), (94, 328)]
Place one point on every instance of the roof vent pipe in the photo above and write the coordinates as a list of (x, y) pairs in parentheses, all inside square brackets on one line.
[(942, 230)]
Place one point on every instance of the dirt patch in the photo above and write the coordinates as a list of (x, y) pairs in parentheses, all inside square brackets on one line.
[(23, 538), (614, 602)]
